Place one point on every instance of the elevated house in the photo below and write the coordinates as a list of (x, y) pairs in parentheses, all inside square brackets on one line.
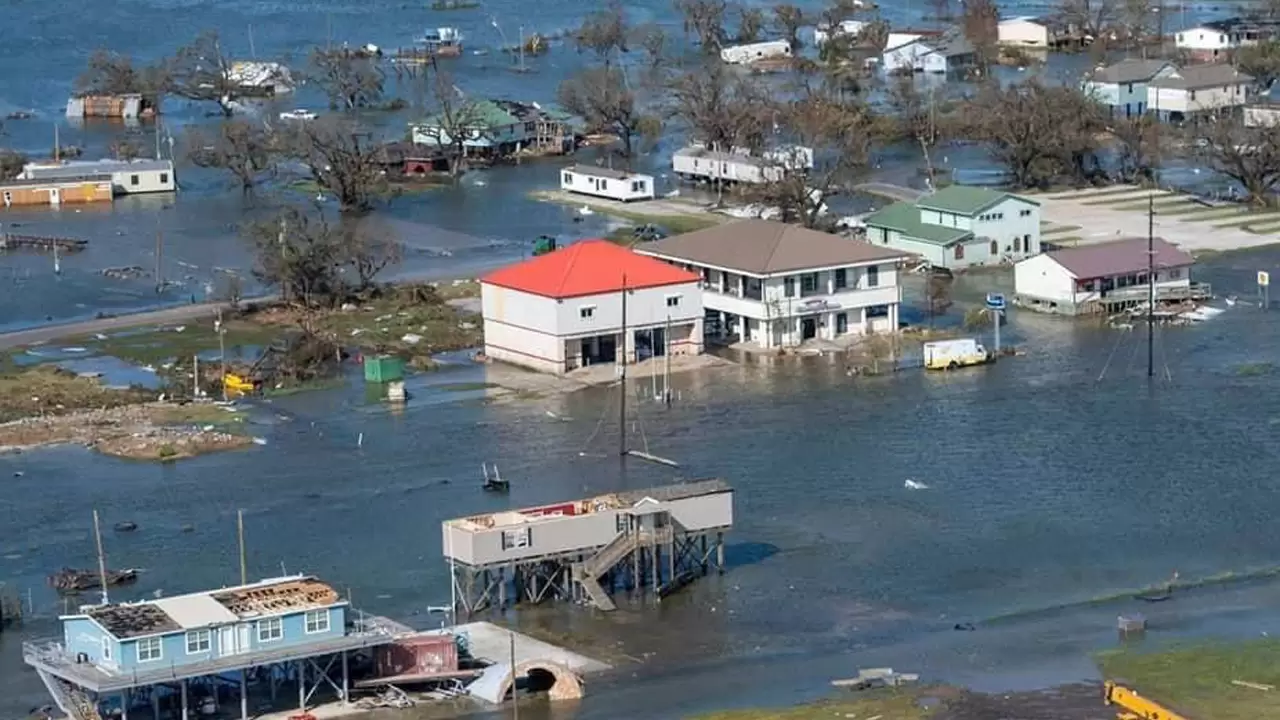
[(697, 163), (776, 285), (938, 54), (564, 309), (1122, 86), (1176, 93), (959, 227), (261, 79), (1214, 41), (129, 107), (1105, 277), (109, 656), (128, 177), (500, 128), (603, 182)]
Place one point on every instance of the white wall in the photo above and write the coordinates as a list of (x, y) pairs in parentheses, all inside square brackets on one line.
[(945, 219), (148, 181), (1043, 278), (1201, 38), (1261, 116), (1011, 224), (520, 328), (613, 188), (907, 57), (739, 54), (1020, 31), (1179, 100), (645, 307)]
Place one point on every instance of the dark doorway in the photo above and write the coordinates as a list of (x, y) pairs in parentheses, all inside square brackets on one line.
[(599, 349), (650, 343), (842, 323), (808, 328)]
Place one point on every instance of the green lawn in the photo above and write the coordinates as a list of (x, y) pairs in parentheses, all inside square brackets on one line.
[(1197, 211), (1134, 197), (1197, 680), (1253, 218), (1092, 194), (888, 704)]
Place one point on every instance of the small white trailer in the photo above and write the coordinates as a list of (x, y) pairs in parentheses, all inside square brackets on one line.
[(753, 52), (606, 183), (952, 354)]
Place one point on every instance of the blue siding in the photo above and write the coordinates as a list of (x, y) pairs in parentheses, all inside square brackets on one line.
[(82, 635)]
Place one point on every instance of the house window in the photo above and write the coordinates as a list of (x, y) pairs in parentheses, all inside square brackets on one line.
[(198, 641), (133, 179), (842, 323), (636, 186), (959, 252), (1017, 244), (586, 312), (789, 287), (809, 283), (317, 621), (673, 301), (998, 216), (512, 539), (604, 184), (106, 649), (995, 248), (150, 649), (1129, 87), (1192, 96), (873, 276), (531, 127), (164, 178), (842, 279), (568, 178), (1175, 274), (270, 630), (1024, 213)]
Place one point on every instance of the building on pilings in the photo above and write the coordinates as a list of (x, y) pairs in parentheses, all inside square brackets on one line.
[(656, 540), (195, 652)]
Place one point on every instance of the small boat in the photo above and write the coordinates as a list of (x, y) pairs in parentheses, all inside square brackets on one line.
[(70, 580), (1159, 594), (493, 482)]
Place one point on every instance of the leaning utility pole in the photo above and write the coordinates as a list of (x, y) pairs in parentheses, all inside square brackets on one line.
[(1151, 285)]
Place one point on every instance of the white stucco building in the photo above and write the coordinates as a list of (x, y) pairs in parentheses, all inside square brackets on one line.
[(1214, 40), (564, 310), (960, 226), (1095, 278), (128, 177), (776, 285)]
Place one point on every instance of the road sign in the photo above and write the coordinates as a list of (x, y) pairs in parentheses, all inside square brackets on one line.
[(995, 301), (1264, 278)]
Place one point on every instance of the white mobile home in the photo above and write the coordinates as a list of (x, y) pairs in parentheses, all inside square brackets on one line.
[(699, 164), (128, 177), (744, 54), (606, 183)]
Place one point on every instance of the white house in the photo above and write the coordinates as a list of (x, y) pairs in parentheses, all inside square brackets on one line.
[(564, 310), (940, 54), (959, 227), (1177, 92), (1262, 115), (1023, 32), (823, 33), (261, 78), (1214, 40), (127, 176), (1105, 276), (745, 54), (1122, 85), (697, 163), (606, 183), (776, 285)]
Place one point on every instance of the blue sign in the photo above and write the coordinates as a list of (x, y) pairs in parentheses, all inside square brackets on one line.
[(995, 301)]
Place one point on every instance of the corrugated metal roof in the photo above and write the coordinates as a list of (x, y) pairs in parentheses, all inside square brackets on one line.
[(966, 199), (604, 172), (905, 218), (77, 168), (196, 611), (589, 267)]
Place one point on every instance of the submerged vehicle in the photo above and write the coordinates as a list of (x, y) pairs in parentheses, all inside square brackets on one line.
[(952, 354)]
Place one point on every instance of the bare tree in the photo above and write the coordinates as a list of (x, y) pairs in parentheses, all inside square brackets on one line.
[(721, 108), (1249, 156), (11, 164), (1137, 146), (201, 72), (246, 149), (1262, 61), (916, 119), (1094, 18), (705, 19), (456, 120), (111, 73), (1136, 21), (342, 158), (603, 97), (369, 246), (942, 10), (351, 80), (604, 33), (750, 24), (787, 21), (980, 25), (937, 295)]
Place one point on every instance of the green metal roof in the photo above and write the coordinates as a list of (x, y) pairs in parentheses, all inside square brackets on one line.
[(966, 200), (905, 218), (482, 115)]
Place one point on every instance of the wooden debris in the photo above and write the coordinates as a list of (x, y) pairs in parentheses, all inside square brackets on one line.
[(869, 678), (1253, 685)]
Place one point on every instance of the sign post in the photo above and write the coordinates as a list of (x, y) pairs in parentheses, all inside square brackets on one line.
[(1264, 282), (995, 303)]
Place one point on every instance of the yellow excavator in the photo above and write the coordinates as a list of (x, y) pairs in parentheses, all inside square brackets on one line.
[(1133, 706)]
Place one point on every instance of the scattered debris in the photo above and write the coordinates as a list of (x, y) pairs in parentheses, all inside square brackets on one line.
[(876, 677), (70, 581), (1253, 685), (126, 526), (914, 485)]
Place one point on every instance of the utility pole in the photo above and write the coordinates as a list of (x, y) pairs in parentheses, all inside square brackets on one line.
[(222, 352), (159, 258), (244, 574), (622, 377), (1151, 285), (102, 558), (521, 48), (515, 696), (666, 374)]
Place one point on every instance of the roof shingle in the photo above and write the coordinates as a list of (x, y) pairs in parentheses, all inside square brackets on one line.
[(1202, 76)]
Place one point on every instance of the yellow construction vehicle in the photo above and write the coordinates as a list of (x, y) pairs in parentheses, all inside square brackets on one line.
[(1135, 707), (237, 385)]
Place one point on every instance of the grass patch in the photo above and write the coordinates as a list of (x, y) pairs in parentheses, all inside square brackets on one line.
[(1100, 193), (286, 390), (1197, 680), (889, 704), (1204, 212), (458, 289), (50, 390), (1160, 208), (1139, 195), (1261, 218), (1059, 230), (1254, 369), (1264, 228), (157, 345), (1069, 241), (673, 223)]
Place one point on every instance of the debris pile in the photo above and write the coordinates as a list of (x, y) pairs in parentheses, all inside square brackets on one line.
[(144, 432)]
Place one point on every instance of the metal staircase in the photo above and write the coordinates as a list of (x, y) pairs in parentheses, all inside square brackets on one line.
[(71, 700), (587, 573)]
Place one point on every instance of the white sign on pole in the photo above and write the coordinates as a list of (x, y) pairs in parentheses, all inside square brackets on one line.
[(1264, 278)]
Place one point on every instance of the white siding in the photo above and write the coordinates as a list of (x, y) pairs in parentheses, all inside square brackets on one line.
[(1042, 278), (1024, 32), (1262, 116), (1202, 38), (646, 307), (740, 54), (1011, 224), (520, 328), (1198, 100), (905, 58), (631, 187)]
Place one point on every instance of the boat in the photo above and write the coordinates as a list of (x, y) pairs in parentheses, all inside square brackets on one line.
[(71, 581), (297, 114), (443, 42)]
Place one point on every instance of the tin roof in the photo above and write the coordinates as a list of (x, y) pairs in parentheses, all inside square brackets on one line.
[(966, 199), (905, 218), (1119, 257), (80, 168), (587, 267)]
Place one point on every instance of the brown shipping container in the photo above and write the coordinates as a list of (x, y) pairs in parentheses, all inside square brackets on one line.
[(424, 655)]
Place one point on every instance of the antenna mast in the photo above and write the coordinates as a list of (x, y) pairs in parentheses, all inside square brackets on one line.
[(1151, 285), (102, 558)]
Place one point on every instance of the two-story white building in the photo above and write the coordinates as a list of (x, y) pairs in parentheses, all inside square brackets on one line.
[(565, 309), (1213, 41), (1102, 277), (1122, 86), (776, 285), (1175, 92), (960, 226), (1026, 32)]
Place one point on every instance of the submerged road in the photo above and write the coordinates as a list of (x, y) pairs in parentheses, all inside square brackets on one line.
[(182, 313)]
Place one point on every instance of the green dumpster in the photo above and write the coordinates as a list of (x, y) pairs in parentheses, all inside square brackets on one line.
[(383, 368)]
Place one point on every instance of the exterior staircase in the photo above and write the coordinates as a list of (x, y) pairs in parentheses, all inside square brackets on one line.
[(71, 700), (587, 573)]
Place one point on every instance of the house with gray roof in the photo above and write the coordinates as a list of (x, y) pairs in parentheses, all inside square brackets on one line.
[(1122, 86), (1102, 277), (959, 227), (933, 54), (774, 285), (1177, 92)]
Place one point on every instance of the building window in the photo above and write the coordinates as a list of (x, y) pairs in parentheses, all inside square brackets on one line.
[(513, 539), (1024, 213), (317, 621), (673, 301), (1129, 87), (164, 178), (604, 184), (1192, 96), (959, 252), (150, 649), (789, 287), (995, 248), (198, 641), (106, 649), (637, 186), (586, 312), (842, 279), (1017, 244), (873, 276), (270, 630), (531, 127), (1175, 274), (568, 178), (133, 179), (809, 283), (842, 323)]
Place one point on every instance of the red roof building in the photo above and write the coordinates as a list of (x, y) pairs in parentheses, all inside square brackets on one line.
[(565, 310), (588, 267)]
